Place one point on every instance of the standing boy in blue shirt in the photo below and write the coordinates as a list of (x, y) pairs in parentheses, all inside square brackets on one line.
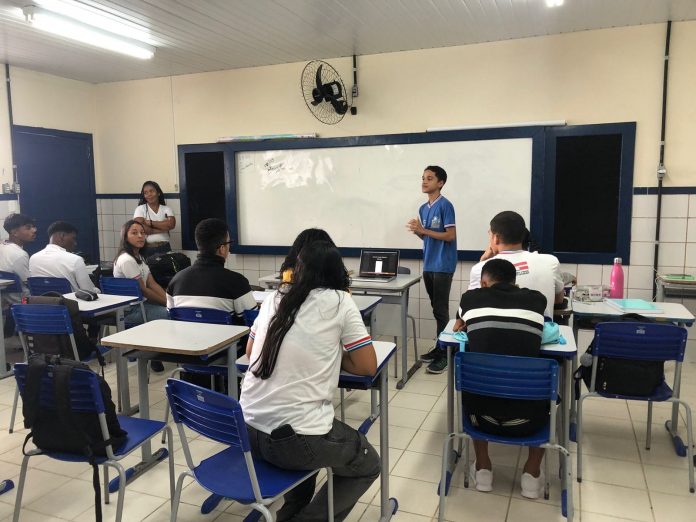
[(435, 226)]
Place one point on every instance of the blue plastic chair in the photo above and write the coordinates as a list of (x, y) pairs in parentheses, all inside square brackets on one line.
[(14, 288), (124, 286), (643, 342), (86, 397), (43, 285), (513, 378), (233, 472)]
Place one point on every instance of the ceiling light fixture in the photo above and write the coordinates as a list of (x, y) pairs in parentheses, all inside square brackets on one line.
[(554, 3), (74, 29)]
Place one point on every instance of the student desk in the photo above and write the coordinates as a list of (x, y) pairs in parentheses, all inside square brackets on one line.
[(176, 340), (565, 352), (4, 372), (393, 292), (671, 312), (384, 352), (115, 305)]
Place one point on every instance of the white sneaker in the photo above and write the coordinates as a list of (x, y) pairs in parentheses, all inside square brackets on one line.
[(532, 487), (482, 479)]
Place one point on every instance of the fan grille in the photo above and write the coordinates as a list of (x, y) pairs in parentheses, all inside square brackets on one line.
[(317, 103)]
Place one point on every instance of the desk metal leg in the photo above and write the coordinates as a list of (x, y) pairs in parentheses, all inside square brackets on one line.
[(672, 426), (406, 373), (149, 458), (388, 505), (122, 381), (453, 455)]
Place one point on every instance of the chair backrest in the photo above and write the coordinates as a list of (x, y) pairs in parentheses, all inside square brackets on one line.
[(42, 319), (640, 341), (506, 376), (250, 316), (43, 285), (15, 287), (209, 413), (120, 286), (200, 315)]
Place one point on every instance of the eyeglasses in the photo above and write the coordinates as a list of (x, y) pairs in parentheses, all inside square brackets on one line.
[(226, 243)]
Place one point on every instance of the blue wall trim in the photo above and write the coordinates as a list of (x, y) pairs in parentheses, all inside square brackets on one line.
[(8, 197), (665, 190), (134, 195)]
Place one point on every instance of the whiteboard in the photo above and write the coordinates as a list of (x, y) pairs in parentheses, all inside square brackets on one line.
[(363, 196)]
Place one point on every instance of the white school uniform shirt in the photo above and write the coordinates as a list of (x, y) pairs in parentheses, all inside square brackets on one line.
[(55, 261), (163, 212), (127, 267), (13, 258), (537, 271), (305, 377)]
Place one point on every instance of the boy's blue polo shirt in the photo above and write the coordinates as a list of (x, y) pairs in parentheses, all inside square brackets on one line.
[(438, 255)]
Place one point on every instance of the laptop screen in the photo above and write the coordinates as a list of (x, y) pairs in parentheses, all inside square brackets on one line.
[(376, 263)]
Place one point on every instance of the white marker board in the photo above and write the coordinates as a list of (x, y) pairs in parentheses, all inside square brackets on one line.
[(363, 196)]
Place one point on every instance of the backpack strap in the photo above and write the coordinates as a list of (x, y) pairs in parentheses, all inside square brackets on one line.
[(32, 390)]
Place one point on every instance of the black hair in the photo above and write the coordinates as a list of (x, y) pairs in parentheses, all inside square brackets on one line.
[(61, 226), (319, 265), (439, 172), (210, 234), (156, 186), (304, 238), (124, 245), (16, 220), (510, 227), (499, 271)]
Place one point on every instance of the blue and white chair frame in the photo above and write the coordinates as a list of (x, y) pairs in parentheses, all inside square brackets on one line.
[(86, 397), (42, 285), (124, 286), (40, 319), (514, 378), (647, 342), (233, 472)]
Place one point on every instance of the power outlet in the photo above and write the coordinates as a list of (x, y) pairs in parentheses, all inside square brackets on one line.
[(6, 189), (15, 187)]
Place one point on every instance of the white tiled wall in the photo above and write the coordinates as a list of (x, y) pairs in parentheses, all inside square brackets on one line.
[(113, 213)]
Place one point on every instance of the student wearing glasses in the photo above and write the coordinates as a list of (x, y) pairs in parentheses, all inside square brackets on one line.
[(207, 283), (304, 335)]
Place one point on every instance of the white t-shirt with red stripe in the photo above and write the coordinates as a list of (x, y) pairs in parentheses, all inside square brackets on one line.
[(302, 385), (537, 271)]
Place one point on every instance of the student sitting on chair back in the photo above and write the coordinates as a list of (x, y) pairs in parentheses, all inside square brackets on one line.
[(540, 272), (304, 238), (501, 318), (207, 283), (13, 258), (56, 260), (304, 334), (130, 264)]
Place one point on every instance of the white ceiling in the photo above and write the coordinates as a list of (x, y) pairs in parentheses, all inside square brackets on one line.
[(209, 35)]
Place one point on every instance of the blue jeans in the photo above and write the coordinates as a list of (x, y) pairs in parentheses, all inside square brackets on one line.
[(134, 316)]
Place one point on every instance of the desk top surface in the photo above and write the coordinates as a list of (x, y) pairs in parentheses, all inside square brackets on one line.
[(669, 311), (564, 350), (104, 302), (178, 337), (400, 282), (383, 351)]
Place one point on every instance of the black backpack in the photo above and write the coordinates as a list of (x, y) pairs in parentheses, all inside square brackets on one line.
[(164, 267), (62, 429), (622, 376)]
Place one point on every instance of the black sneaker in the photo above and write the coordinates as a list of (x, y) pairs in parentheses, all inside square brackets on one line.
[(437, 366), (157, 366), (435, 353)]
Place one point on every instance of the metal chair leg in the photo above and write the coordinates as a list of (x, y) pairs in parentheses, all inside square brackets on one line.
[(648, 433), (14, 408), (20, 488)]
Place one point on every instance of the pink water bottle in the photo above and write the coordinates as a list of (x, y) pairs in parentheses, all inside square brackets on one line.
[(616, 281)]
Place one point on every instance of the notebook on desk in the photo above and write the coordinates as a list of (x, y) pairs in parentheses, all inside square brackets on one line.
[(378, 266)]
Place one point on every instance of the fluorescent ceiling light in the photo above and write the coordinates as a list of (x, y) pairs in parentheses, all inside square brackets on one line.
[(67, 27), (554, 3)]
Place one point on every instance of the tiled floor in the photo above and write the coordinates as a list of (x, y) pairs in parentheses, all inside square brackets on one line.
[(622, 481)]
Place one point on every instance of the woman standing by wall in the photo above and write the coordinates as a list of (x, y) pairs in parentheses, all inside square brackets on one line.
[(157, 218)]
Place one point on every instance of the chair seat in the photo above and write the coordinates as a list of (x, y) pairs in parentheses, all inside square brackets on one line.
[(662, 393), (225, 474), (205, 370), (139, 430), (537, 439)]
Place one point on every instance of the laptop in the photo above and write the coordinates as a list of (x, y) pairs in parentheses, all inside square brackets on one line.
[(378, 266)]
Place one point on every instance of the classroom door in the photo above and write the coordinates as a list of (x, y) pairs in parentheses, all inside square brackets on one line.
[(55, 170)]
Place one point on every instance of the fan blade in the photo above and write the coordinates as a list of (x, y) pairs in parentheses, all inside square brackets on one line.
[(318, 78)]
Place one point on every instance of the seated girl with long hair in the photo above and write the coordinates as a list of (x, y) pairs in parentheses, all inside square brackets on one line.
[(304, 238), (304, 335)]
